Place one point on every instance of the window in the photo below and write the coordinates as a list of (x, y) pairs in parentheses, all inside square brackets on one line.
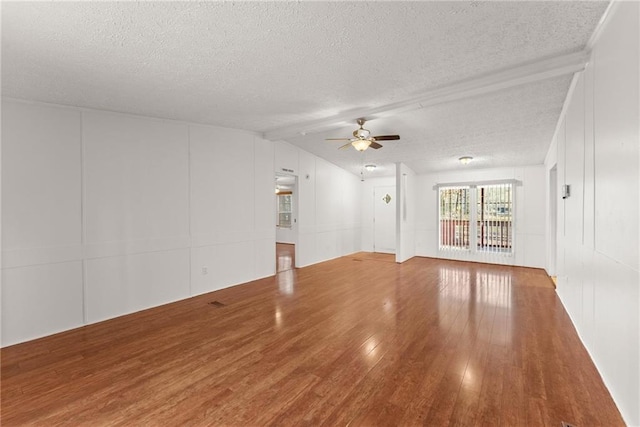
[(476, 217), (454, 218), (494, 217), (284, 210)]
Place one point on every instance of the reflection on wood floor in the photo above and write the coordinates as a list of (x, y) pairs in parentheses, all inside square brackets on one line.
[(354, 340), (285, 257)]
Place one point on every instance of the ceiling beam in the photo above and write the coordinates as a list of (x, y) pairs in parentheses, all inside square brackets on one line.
[(498, 80)]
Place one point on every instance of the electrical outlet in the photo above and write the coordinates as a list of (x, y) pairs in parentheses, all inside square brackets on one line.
[(205, 270)]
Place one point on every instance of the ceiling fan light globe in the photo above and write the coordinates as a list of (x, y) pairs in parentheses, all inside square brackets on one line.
[(361, 144)]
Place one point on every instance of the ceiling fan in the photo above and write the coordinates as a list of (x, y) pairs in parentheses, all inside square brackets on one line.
[(362, 139)]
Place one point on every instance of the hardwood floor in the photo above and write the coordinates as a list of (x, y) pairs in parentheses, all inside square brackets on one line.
[(285, 257), (359, 340)]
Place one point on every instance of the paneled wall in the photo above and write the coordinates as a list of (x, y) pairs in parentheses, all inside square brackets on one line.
[(405, 213), (529, 221), (595, 151), (106, 214), (329, 205), (42, 275), (135, 204), (232, 208)]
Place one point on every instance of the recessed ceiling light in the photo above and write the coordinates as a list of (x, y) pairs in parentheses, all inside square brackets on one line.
[(465, 159), (370, 167)]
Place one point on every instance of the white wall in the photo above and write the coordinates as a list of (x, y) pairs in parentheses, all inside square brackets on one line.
[(105, 214), (42, 288), (232, 208), (405, 213), (329, 205), (285, 235), (529, 207), (596, 150)]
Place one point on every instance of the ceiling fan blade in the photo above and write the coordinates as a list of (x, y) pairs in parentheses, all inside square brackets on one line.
[(375, 145), (338, 139), (386, 137), (345, 146)]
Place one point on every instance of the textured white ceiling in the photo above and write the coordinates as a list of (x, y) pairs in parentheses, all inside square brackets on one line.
[(507, 128), (265, 65)]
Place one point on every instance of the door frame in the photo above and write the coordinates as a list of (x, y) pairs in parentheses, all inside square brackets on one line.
[(294, 208), (552, 215)]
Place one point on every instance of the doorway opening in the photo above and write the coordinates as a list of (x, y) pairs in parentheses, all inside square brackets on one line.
[(286, 221)]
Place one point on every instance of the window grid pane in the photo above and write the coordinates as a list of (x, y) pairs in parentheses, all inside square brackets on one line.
[(495, 218), (284, 210), (454, 218)]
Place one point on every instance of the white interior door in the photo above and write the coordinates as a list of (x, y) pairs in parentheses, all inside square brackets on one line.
[(384, 219), (553, 215)]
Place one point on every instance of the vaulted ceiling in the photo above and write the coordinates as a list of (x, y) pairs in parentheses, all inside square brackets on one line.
[(485, 79)]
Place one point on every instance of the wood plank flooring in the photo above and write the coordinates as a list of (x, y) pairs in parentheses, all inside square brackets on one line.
[(359, 340), (285, 257)]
